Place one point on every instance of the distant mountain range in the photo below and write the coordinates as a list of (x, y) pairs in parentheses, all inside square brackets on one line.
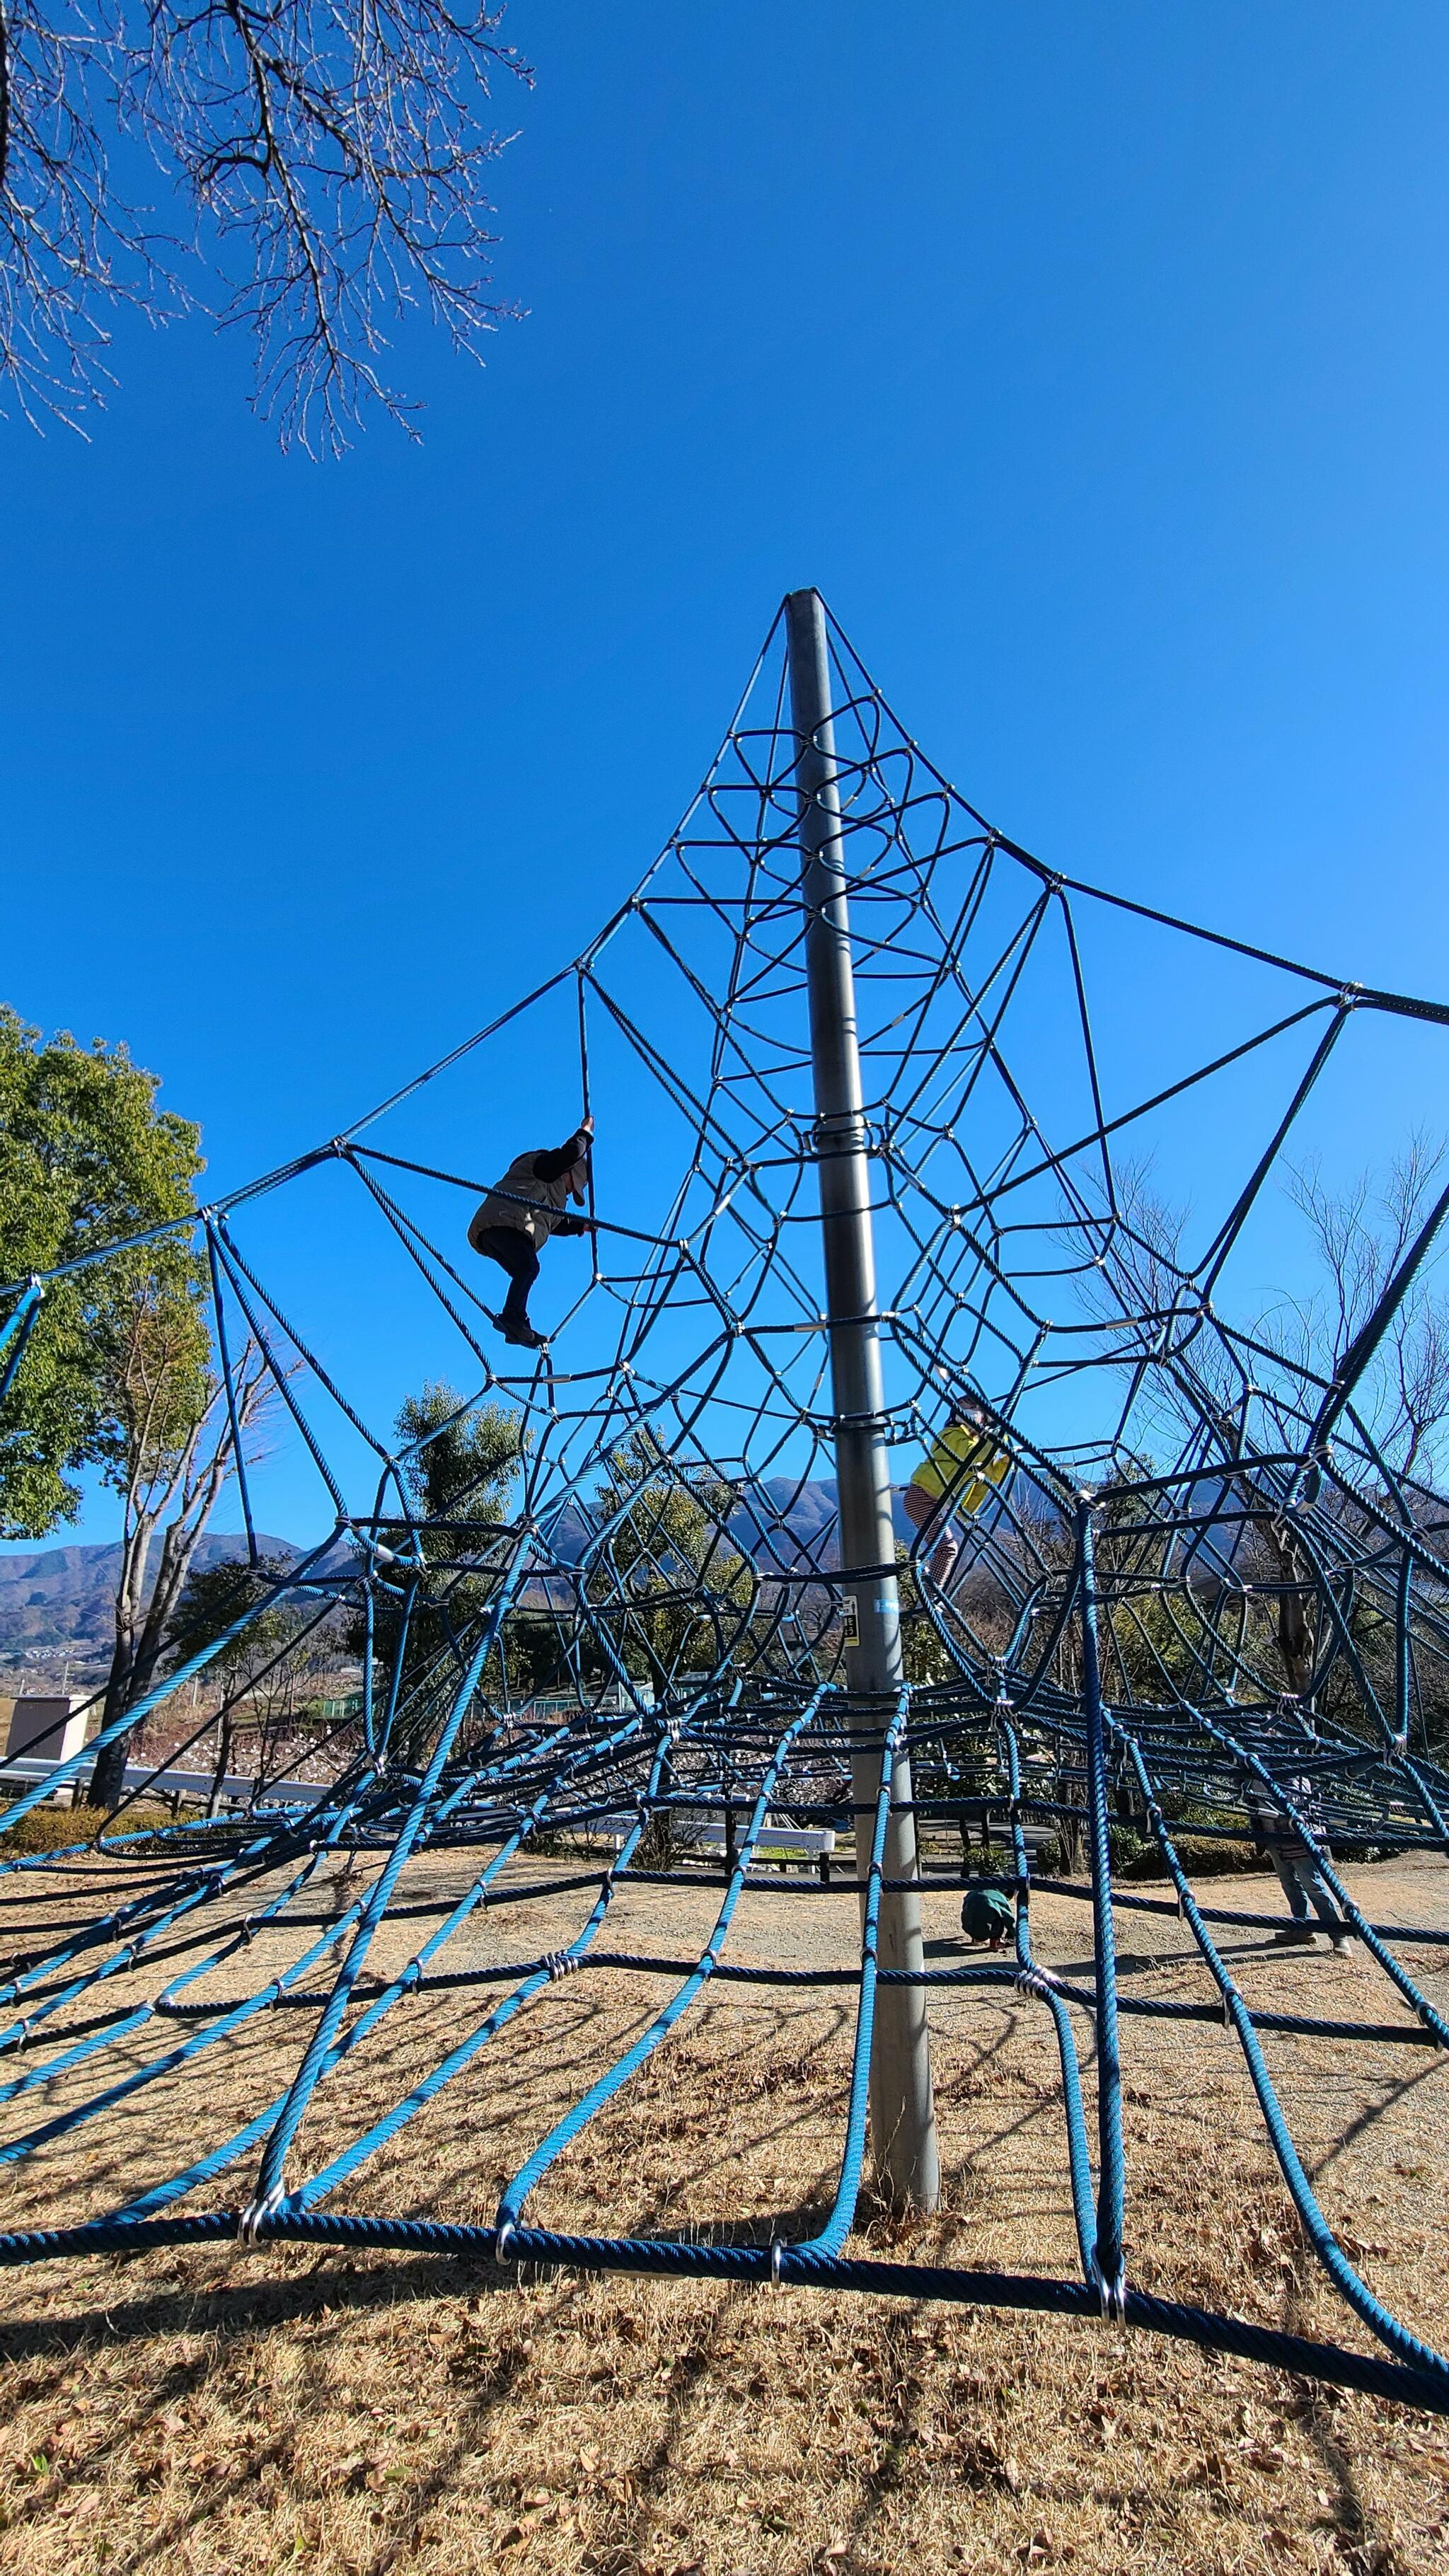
[(788, 1529), (57, 1600)]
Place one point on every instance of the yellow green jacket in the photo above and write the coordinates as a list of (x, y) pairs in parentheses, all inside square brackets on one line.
[(963, 1464)]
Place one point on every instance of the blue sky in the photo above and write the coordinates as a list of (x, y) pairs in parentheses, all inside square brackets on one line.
[(1092, 362)]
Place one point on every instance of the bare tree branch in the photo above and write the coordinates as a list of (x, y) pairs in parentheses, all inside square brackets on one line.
[(1360, 1235), (327, 162), (174, 1473)]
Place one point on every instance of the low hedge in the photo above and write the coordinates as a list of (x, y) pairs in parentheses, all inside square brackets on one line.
[(52, 1828), (1201, 1855)]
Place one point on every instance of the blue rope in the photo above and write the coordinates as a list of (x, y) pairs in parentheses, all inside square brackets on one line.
[(18, 1327), (663, 2259), (565, 2131), (1345, 2279), (841, 2216), (1035, 1981)]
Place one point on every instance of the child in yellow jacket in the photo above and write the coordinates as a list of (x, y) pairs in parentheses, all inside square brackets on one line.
[(953, 1480)]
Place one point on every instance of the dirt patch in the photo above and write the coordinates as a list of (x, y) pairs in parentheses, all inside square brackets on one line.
[(225, 2410)]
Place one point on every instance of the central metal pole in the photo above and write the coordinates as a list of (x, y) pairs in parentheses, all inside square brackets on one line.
[(902, 2108)]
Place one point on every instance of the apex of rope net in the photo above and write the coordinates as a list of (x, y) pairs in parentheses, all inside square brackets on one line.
[(807, 644)]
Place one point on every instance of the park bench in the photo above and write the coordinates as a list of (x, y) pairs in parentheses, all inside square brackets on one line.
[(778, 1844)]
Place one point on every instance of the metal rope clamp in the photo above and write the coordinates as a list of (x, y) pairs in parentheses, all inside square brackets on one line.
[(1036, 1981), (560, 1963), (1111, 2294), (1429, 2020), (256, 2213)]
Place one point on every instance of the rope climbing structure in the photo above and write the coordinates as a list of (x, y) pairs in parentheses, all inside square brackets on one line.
[(891, 1120)]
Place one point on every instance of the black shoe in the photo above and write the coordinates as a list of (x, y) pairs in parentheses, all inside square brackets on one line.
[(1294, 1936), (522, 1336)]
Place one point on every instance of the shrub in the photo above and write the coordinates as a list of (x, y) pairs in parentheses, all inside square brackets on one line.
[(1201, 1855), (52, 1828)]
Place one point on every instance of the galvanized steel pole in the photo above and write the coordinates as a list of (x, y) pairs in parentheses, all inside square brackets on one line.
[(902, 2108)]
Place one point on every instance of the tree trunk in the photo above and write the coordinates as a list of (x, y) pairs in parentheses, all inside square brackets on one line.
[(140, 1638), (108, 1780), (1296, 1639)]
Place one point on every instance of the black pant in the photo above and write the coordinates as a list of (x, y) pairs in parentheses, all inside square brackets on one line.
[(509, 1246)]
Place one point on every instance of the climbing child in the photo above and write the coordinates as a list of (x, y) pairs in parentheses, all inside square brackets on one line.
[(954, 1478), (520, 1213)]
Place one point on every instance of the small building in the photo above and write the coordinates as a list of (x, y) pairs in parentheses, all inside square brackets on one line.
[(41, 1727)]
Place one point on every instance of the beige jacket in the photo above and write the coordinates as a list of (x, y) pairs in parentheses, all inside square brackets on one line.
[(534, 1192)]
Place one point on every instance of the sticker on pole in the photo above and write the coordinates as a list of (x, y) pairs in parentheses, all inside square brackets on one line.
[(852, 1619)]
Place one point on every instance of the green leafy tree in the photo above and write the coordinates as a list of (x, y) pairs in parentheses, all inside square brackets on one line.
[(460, 1467), (116, 1373), (676, 1592), (462, 1462), (86, 1159), (1154, 1640), (924, 1658)]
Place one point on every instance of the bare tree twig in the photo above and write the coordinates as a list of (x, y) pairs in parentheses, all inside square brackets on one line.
[(328, 161)]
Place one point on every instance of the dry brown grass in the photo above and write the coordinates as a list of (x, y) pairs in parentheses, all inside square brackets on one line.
[(225, 2411)]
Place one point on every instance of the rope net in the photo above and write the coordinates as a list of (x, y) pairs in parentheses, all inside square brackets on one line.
[(1178, 1573)]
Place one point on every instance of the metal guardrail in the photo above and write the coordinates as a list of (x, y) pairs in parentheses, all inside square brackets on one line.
[(237, 1785)]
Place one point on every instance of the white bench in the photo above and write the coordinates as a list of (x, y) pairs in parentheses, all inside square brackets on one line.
[(694, 1831)]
